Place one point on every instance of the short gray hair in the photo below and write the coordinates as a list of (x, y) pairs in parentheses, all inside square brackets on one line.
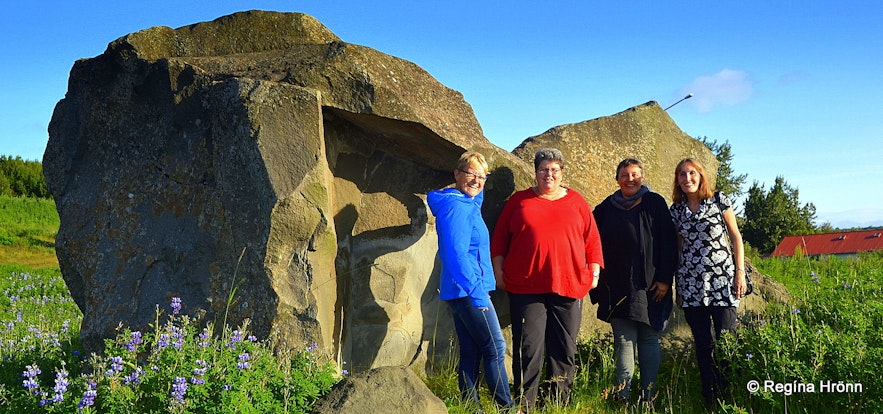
[(548, 154)]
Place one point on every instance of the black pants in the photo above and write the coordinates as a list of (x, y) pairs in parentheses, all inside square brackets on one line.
[(712, 370), (544, 329)]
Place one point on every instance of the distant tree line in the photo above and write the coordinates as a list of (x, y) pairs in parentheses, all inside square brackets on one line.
[(21, 178)]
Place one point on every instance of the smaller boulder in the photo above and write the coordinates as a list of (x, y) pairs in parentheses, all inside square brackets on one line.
[(385, 389)]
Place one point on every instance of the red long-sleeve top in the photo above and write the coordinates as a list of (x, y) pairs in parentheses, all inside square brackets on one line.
[(547, 245)]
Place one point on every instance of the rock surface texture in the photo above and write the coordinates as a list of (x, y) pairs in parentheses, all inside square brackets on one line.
[(380, 390), (592, 150), (261, 158)]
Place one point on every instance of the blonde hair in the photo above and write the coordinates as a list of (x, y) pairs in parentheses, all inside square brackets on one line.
[(472, 157), (704, 191)]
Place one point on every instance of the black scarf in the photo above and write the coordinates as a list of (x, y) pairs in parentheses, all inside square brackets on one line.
[(626, 203)]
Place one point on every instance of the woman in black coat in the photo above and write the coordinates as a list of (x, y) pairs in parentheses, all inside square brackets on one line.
[(634, 291)]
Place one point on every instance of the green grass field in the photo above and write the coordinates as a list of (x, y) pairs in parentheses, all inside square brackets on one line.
[(27, 232)]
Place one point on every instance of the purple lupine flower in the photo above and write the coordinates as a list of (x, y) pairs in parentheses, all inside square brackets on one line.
[(53, 339), (134, 341), (61, 384), (227, 387), (199, 372), (235, 338), (176, 335), (204, 338), (847, 286), (312, 347), (794, 310), (176, 305), (179, 389), (116, 365), (243, 361), (163, 341), (30, 382), (252, 338), (749, 356), (89, 395), (134, 378), (202, 366)]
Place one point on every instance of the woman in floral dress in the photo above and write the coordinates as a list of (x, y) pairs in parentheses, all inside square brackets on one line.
[(710, 278)]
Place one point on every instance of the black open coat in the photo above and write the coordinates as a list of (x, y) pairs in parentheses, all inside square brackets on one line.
[(640, 247)]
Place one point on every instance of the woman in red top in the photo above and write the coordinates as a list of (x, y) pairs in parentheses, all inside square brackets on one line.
[(546, 253)]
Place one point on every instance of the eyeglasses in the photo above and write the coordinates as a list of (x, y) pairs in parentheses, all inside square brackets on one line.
[(480, 178), (549, 171)]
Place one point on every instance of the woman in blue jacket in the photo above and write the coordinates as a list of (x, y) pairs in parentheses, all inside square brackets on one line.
[(467, 278)]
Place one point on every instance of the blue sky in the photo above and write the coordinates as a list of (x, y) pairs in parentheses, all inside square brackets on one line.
[(795, 87)]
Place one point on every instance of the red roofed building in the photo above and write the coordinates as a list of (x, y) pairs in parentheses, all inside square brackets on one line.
[(841, 244)]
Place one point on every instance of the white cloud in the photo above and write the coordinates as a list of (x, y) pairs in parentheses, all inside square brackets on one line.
[(727, 87)]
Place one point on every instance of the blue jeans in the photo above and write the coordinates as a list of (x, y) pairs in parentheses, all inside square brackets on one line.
[(481, 341), (630, 336)]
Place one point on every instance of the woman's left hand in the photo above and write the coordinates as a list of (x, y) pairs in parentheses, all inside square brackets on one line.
[(659, 290), (741, 285)]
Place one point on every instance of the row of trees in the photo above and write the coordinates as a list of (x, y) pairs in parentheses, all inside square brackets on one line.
[(768, 215), (21, 178)]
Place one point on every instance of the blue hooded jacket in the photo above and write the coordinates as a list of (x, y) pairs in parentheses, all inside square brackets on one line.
[(463, 246)]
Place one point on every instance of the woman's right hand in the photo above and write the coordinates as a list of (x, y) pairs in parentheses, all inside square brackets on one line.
[(501, 284)]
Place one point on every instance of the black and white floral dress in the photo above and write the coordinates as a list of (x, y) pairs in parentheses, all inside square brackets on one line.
[(705, 277)]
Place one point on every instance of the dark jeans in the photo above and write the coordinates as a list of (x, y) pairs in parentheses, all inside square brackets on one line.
[(712, 370), (481, 340), (544, 329)]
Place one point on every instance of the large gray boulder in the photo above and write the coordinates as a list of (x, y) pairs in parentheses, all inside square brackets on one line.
[(258, 156)]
